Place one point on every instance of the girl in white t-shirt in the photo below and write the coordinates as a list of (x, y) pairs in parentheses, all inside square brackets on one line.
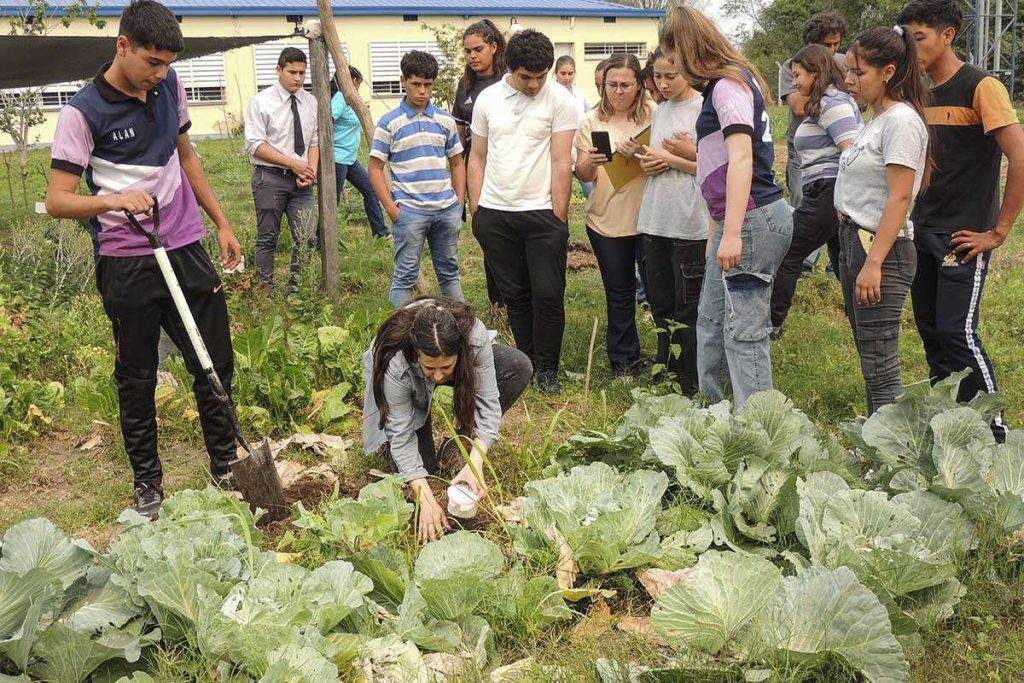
[(879, 176), (565, 74)]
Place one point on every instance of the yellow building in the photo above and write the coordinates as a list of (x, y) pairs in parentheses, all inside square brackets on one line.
[(375, 34)]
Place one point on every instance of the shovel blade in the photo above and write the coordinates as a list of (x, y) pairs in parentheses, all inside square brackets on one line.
[(259, 483)]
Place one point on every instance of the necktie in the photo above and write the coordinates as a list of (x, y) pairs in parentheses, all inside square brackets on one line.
[(300, 146)]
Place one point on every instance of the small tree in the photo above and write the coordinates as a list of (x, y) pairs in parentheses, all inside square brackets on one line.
[(21, 110), (449, 44)]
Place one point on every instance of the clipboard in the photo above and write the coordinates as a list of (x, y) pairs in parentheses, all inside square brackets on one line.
[(621, 170)]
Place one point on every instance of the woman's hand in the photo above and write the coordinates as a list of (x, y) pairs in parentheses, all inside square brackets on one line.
[(653, 161), (628, 147), (730, 251), (472, 475), (681, 145), (432, 520), (596, 158), (868, 291)]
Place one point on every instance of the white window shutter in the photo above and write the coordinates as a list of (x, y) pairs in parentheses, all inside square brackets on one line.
[(599, 51), (203, 78), (386, 63), (265, 61)]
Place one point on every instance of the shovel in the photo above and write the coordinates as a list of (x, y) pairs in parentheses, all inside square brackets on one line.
[(254, 472)]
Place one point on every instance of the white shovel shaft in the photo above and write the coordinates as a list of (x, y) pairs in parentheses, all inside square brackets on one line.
[(183, 310)]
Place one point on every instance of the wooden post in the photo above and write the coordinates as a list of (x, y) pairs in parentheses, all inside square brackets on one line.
[(327, 186), (348, 89)]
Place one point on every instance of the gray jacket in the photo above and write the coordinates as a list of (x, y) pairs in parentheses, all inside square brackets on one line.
[(409, 394)]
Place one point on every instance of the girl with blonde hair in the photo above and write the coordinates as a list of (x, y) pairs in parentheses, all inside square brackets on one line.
[(751, 224)]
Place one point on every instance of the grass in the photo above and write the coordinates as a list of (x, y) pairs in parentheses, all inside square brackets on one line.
[(815, 364)]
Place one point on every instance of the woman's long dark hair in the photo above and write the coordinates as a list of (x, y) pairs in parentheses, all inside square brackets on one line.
[(353, 72), (819, 60), (436, 327), (880, 47), (490, 34)]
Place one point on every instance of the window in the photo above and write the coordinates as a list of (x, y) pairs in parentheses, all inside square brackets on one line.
[(598, 51), (386, 64), (563, 49), (203, 78), (57, 95), (265, 61)]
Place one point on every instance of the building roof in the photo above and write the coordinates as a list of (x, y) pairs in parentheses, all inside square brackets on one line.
[(571, 8)]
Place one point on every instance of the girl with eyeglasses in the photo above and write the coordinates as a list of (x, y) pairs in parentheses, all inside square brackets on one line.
[(611, 214)]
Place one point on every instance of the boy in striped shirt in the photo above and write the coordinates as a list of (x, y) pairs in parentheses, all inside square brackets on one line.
[(421, 142)]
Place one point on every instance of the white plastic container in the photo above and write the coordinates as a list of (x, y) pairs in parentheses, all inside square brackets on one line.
[(462, 502)]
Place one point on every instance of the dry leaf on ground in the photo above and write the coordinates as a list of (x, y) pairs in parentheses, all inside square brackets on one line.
[(657, 581), (596, 623)]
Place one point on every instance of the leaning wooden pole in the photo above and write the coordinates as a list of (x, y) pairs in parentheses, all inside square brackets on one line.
[(348, 89), (328, 189)]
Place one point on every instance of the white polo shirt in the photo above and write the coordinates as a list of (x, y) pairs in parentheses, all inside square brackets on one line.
[(518, 128)]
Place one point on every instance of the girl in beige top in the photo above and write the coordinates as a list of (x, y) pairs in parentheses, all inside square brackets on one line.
[(611, 214)]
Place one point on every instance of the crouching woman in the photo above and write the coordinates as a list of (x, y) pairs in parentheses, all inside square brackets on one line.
[(425, 344)]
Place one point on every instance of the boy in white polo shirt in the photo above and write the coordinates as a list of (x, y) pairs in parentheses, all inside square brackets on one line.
[(520, 175)]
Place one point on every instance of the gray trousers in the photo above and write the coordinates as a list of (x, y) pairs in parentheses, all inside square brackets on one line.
[(275, 195), (876, 329)]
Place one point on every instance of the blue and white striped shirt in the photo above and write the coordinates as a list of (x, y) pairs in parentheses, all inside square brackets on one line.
[(418, 146), (817, 140)]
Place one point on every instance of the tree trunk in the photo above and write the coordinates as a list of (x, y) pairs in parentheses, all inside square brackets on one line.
[(348, 89), (328, 191)]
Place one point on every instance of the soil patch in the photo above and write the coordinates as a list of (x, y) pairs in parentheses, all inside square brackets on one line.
[(581, 256)]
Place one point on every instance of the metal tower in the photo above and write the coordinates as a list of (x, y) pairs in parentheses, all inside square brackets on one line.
[(989, 38)]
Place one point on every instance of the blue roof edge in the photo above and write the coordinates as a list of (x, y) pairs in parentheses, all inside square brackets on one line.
[(311, 10)]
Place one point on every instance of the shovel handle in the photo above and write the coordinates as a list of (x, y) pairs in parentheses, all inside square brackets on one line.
[(152, 235)]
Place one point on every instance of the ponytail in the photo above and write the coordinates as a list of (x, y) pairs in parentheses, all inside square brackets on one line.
[(883, 46)]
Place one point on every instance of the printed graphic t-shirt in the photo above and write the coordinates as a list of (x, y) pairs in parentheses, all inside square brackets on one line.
[(731, 107)]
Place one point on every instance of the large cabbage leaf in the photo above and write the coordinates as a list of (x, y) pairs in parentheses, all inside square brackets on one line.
[(712, 610), (607, 518), (456, 573), (821, 613), (880, 539), (38, 544)]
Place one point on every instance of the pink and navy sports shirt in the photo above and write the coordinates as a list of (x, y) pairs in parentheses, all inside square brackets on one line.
[(121, 143), (733, 107)]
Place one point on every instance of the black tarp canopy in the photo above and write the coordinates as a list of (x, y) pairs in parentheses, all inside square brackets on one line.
[(32, 61)]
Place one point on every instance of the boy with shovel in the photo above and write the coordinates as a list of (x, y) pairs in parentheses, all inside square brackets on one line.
[(127, 131)]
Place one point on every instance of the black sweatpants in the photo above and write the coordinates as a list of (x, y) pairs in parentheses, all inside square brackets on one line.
[(512, 372), (138, 303), (946, 295), (675, 276), (815, 223), (527, 253)]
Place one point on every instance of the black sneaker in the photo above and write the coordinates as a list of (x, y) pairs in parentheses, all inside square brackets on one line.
[(630, 371), (148, 498), (547, 382)]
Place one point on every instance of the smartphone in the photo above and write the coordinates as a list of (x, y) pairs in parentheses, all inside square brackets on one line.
[(603, 142)]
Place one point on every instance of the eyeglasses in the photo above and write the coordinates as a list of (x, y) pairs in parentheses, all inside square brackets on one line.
[(620, 87)]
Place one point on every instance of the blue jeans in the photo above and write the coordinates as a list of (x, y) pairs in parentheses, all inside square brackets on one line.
[(439, 229), (356, 175), (733, 321)]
